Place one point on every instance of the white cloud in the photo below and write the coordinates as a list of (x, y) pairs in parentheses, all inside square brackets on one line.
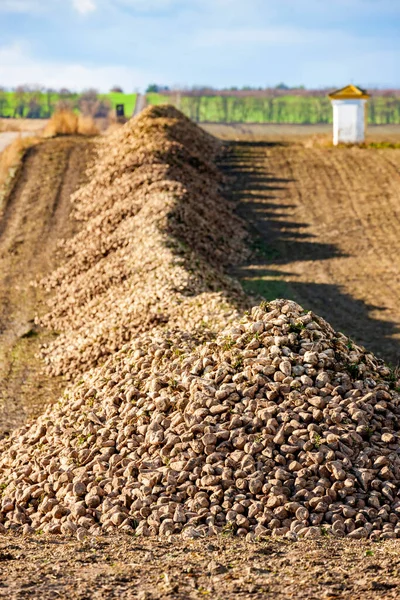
[(144, 4), (34, 6), (18, 6), (18, 67), (276, 36), (287, 36), (84, 6)]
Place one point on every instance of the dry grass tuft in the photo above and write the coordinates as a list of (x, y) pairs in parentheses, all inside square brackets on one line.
[(65, 122), (10, 159), (87, 126), (319, 140), (11, 156)]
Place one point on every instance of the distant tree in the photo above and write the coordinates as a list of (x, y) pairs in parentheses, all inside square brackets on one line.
[(280, 108), (225, 109), (117, 89), (202, 88), (50, 105), (65, 92), (246, 109), (67, 100), (20, 100), (236, 110), (153, 88), (371, 108), (65, 104), (268, 110), (34, 108), (34, 102), (102, 109), (3, 101), (88, 102), (92, 105), (282, 86), (193, 106)]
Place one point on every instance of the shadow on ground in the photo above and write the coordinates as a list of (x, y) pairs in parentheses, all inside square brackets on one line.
[(275, 235), (264, 203)]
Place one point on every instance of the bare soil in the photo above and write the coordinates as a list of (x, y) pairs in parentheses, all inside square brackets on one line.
[(217, 568), (292, 132), (326, 233), (30, 125), (36, 216), (8, 137)]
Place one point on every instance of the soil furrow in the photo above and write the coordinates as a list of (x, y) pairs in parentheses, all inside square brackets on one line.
[(35, 219), (328, 235)]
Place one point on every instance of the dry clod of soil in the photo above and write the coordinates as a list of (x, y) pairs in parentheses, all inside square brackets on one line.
[(266, 424)]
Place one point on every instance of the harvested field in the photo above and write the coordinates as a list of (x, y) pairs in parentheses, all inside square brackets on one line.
[(198, 449), (33, 126), (274, 132), (326, 224), (31, 224), (219, 568), (8, 137)]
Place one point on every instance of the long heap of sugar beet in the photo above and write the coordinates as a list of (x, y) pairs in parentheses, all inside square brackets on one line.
[(275, 425), (156, 234)]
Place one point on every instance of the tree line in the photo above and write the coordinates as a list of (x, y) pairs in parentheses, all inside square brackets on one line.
[(281, 109), (278, 105), (39, 103)]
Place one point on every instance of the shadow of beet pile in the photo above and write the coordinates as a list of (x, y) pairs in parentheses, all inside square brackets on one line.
[(277, 239)]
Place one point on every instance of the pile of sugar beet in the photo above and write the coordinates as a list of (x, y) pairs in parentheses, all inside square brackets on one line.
[(185, 413)]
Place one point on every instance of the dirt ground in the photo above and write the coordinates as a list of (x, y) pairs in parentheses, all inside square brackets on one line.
[(292, 132), (35, 217), (8, 137), (217, 568), (326, 233), (27, 125)]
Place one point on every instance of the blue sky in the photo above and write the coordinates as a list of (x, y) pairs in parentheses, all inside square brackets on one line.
[(99, 43)]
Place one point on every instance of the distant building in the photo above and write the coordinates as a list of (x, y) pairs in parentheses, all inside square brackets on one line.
[(349, 115)]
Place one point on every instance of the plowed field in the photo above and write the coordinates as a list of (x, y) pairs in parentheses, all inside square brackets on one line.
[(326, 228), (222, 568), (35, 218)]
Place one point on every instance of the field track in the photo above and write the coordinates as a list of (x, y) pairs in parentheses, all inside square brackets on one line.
[(8, 137), (326, 223), (34, 219)]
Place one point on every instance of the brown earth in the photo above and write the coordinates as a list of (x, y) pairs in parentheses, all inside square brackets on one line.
[(22, 125), (293, 132), (326, 228), (217, 568), (35, 217)]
